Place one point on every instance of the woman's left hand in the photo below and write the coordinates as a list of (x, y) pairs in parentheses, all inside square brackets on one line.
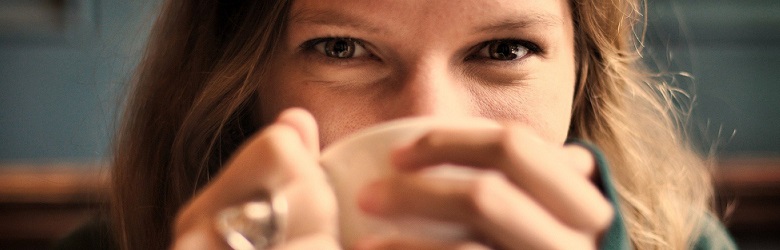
[(526, 193)]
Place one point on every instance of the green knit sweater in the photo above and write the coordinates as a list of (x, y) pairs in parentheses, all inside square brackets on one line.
[(713, 234)]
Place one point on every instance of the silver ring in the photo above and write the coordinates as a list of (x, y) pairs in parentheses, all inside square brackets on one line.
[(256, 224)]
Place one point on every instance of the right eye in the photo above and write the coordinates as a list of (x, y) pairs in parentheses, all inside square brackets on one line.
[(506, 50), (337, 47)]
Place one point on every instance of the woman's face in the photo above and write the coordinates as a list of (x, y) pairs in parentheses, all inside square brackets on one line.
[(354, 63)]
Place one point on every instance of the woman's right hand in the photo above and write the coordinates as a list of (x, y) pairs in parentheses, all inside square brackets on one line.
[(282, 159)]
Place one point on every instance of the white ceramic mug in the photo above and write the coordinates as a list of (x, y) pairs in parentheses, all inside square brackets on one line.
[(363, 157)]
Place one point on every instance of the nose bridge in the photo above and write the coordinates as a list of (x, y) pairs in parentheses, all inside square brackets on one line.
[(428, 88)]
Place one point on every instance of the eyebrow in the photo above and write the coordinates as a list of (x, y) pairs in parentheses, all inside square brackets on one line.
[(543, 20), (334, 18)]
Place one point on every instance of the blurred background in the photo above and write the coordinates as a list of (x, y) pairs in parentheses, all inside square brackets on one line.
[(64, 65)]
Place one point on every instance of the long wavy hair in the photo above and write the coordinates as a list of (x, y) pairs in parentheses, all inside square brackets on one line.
[(195, 96)]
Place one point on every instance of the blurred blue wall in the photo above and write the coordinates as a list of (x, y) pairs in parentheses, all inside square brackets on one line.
[(62, 65), (731, 48), (62, 68)]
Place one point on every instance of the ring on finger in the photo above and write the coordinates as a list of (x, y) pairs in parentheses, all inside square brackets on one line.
[(256, 224)]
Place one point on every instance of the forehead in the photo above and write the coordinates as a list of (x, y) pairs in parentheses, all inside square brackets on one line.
[(383, 15)]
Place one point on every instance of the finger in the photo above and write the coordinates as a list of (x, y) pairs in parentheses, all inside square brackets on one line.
[(543, 170), (274, 160), (251, 171), (267, 162), (487, 203), (478, 147), (304, 123), (418, 244), (314, 241)]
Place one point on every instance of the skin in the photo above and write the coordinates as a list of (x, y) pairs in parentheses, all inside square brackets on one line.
[(408, 70), (421, 58)]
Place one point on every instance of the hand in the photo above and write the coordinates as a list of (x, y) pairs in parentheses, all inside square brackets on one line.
[(525, 194), (282, 158)]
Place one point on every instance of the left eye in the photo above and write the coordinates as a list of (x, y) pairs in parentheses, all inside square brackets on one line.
[(504, 50), (341, 48)]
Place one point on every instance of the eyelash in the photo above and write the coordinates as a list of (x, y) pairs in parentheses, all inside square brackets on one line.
[(310, 47), (529, 47)]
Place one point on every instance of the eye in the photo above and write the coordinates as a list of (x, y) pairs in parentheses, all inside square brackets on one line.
[(341, 48), (505, 50)]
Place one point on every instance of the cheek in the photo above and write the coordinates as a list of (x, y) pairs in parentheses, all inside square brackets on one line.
[(555, 98), (336, 114), (543, 102), (556, 107), (556, 112), (272, 96), (338, 118), (547, 112)]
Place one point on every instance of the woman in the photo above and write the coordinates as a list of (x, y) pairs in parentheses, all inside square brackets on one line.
[(210, 123)]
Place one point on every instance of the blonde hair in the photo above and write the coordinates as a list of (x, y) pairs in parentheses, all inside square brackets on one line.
[(196, 89), (664, 186)]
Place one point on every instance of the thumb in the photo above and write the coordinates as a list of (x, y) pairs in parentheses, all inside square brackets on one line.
[(303, 122)]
